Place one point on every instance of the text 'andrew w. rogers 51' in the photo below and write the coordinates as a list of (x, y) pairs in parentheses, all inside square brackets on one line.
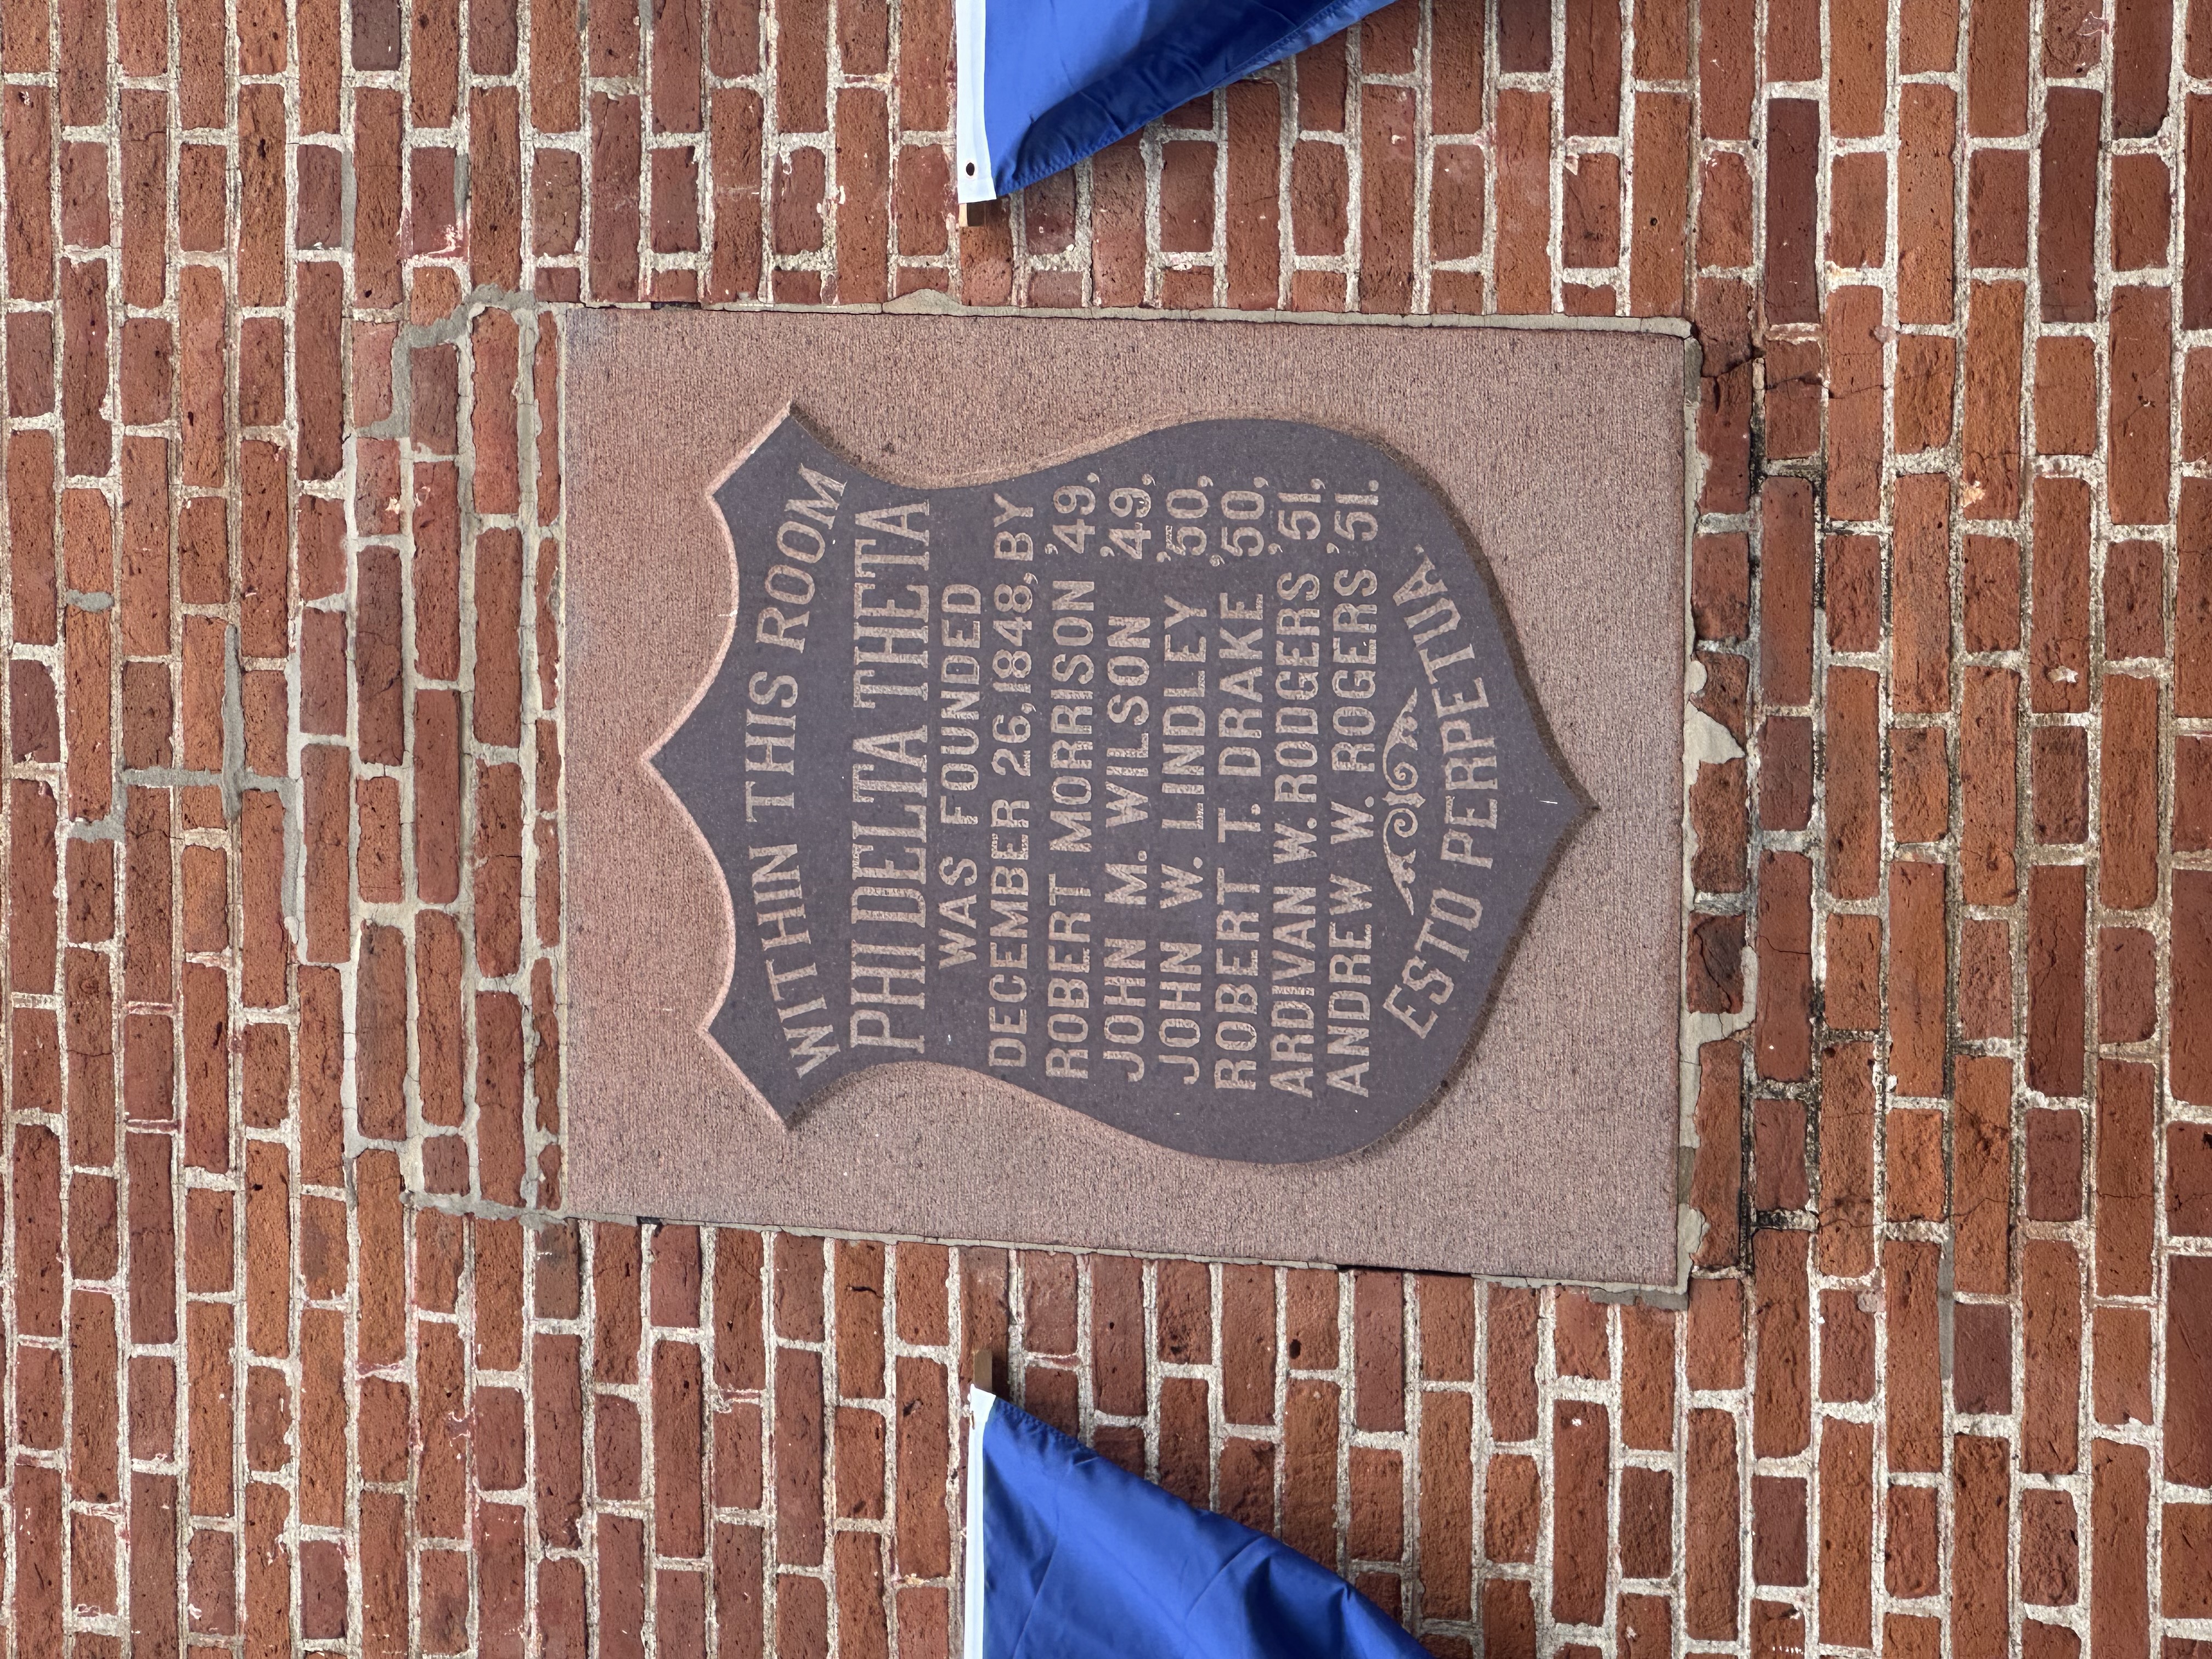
[(1193, 784)]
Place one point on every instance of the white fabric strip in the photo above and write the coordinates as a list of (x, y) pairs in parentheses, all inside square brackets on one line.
[(979, 1419), (971, 143)]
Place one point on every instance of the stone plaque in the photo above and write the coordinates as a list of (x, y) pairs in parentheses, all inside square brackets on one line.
[(1191, 783), (1193, 787)]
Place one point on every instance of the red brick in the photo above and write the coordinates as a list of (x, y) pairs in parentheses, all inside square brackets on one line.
[(1854, 1001), (495, 184), (1117, 233), (1988, 812), (2141, 398), (30, 884), (2058, 772), (1852, 746), (1590, 214), (2065, 239), (1782, 1029), (2122, 1387), (1580, 1517), (1509, 1620), (2141, 218), (2057, 978), (88, 439), (1927, 124), (2186, 1561), (1184, 1462), (1511, 1400), (1847, 1344), (1927, 371), (1386, 206), (2119, 1528), (2054, 1165), (2189, 1179), (2197, 223), (1720, 585), (1846, 1236), (1792, 161), (1659, 205), (1997, 70), (1724, 226), (2189, 1006), (2127, 834), (1921, 773), (1723, 318), (616, 157), (2124, 1182), (1998, 209), (1713, 1342), (1646, 1527), (2135, 600), (1989, 439), (88, 1023), (1920, 597), (1982, 1174), (1714, 1510), (1778, 1155), (323, 1416), (1379, 1300), (2142, 45), (152, 1526), (1523, 200), (31, 560), (1915, 1402), (1310, 1465), (1716, 1178), (2049, 1548), (1778, 1551), (1981, 1361), (1855, 403), (1647, 1382), (1248, 1344), (1457, 179), (1720, 820), (1785, 779), (677, 1443), (200, 374), (1781, 1422), (1913, 1550), (1982, 1517), (1578, 1336), (2196, 401), (1514, 1509), (1376, 1514), (378, 212), (2189, 1371), (1793, 40), (799, 1457), (2051, 1342)]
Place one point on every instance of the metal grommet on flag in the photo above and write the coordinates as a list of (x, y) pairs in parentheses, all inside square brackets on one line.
[(1040, 84), (972, 145), (1070, 1557)]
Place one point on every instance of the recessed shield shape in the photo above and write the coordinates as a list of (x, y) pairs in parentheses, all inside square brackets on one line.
[(1194, 784)]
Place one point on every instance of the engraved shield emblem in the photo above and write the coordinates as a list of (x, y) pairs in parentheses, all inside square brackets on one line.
[(1194, 784)]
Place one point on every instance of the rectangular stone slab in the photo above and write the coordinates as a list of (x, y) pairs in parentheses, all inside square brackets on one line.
[(1549, 1154)]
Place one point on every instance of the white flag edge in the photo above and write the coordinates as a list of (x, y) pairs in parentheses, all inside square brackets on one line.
[(979, 1403), (971, 143)]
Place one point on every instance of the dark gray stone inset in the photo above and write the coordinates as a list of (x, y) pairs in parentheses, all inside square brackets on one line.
[(1193, 783)]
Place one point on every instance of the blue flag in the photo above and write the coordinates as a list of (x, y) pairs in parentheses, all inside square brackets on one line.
[(1070, 1557), (1043, 83)]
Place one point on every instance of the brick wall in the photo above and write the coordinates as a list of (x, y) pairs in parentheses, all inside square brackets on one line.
[(297, 1354)]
